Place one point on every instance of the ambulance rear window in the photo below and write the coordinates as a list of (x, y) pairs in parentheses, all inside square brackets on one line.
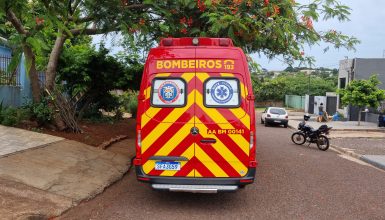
[(221, 92), (168, 92)]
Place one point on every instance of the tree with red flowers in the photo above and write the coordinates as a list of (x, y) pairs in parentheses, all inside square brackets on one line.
[(271, 27)]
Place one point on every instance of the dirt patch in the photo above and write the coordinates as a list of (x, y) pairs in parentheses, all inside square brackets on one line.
[(95, 133)]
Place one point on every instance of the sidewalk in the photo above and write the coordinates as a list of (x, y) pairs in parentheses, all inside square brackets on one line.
[(365, 142), (45, 177)]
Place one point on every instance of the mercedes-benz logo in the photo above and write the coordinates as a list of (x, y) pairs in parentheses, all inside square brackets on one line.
[(194, 131)]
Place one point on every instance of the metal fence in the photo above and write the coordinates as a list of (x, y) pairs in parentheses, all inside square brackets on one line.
[(295, 101), (6, 77)]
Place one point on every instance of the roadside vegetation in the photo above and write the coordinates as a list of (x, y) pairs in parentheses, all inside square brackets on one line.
[(363, 93), (268, 87)]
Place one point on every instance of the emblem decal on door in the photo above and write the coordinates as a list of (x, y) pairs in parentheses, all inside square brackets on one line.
[(168, 92), (222, 92)]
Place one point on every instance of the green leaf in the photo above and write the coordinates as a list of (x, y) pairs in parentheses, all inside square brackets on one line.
[(14, 62)]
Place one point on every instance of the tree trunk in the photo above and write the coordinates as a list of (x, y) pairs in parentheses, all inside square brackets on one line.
[(359, 116), (53, 61), (35, 85), (50, 76)]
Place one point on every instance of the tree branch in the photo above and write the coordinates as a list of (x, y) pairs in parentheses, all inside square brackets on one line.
[(136, 6), (87, 31), (16, 22), (75, 6)]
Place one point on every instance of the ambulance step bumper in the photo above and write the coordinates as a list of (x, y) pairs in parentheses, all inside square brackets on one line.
[(195, 188)]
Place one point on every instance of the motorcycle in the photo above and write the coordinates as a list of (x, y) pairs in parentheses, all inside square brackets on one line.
[(306, 133)]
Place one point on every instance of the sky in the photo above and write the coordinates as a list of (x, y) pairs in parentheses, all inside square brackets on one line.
[(367, 23)]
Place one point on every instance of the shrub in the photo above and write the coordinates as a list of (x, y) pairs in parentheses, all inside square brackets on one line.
[(129, 102), (10, 116), (40, 111)]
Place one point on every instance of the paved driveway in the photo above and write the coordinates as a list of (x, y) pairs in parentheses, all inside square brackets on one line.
[(13, 140)]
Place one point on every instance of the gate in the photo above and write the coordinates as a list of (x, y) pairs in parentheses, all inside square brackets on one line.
[(331, 105), (311, 104)]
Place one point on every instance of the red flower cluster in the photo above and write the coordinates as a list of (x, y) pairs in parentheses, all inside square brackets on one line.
[(266, 3), (201, 5), (238, 33), (307, 21), (215, 2), (237, 2), (39, 21), (132, 30), (183, 30), (188, 21), (276, 9), (142, 21), (233, 9), (182, 20)]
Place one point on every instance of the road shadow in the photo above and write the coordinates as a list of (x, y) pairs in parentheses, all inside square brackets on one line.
[(198, 201)]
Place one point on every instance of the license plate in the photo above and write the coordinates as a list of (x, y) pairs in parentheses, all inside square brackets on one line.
[(277, 121), (167, 165)]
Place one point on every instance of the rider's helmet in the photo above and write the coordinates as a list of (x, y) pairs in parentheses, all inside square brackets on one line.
[(306, 117)]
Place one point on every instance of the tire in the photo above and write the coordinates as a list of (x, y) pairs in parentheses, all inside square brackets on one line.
[(266, 124), (323, 143), (262, 122), (285, 125), (298, 138)]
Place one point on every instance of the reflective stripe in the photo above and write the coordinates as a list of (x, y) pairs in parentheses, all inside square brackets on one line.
[(166, 132)]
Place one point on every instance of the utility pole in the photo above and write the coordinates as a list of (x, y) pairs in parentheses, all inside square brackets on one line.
[(308, 86)]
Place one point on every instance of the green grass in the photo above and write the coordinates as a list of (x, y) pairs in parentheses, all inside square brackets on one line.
[(260, 109)]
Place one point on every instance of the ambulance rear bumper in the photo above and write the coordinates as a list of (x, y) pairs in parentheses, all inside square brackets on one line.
[(195, 188), (233, 183)]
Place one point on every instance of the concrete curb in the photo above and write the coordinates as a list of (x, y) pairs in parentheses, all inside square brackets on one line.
[(365, 130), (372, 162), (346, 152), (358, 156)]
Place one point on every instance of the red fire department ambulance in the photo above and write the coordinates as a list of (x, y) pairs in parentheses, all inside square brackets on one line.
[(196, 120)]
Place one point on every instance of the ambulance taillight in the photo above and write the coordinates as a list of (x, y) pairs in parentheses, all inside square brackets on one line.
[(253, 162), (139, 139), (138, 157)]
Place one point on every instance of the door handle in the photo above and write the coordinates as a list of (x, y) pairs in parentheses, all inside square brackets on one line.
[(208, 141)]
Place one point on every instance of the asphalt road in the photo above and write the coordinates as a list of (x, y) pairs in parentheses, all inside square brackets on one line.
[(293, 182)]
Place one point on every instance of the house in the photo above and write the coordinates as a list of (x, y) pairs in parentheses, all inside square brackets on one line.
[(5, 50), (307, 71), (359, 68), (15, 89)]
